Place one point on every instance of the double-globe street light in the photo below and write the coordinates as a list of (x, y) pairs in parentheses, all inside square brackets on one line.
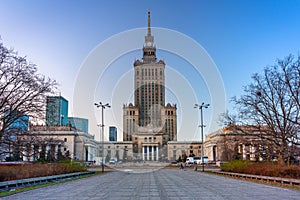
[(103, 106), (203, 105)]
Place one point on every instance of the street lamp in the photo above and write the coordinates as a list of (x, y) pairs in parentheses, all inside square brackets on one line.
[(103, 106), (203, 105)]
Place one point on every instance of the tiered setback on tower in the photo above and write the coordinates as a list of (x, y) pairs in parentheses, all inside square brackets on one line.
[(149, 123)]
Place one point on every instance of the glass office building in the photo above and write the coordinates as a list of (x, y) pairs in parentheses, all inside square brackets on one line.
[(79, 123), (112, 133), (56, 111)]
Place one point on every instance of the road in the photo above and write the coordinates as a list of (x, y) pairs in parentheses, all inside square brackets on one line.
[(158, 184)]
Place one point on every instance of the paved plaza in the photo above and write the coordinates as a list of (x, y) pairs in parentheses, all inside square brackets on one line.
[(158, 184)]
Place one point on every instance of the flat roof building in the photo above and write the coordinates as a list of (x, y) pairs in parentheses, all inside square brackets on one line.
[(79, 123), (112, 133), (56, 111)]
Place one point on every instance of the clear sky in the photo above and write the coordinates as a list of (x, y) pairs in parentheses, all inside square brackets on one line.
[(241, 37)]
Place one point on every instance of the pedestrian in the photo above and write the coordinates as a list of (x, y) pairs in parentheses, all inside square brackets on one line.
[(181, 166)]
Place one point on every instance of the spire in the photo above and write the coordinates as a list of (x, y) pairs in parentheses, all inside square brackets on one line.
[(149, 47), (149, 27)]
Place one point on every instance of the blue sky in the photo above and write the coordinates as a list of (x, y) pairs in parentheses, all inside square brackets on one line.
[(241, 37)]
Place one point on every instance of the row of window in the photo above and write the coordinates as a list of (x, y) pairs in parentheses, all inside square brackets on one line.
[(148, 85), (149, 53), (169, 112), (131, 112), (191, 147), (149, 139), (116, 146), (150, 72)]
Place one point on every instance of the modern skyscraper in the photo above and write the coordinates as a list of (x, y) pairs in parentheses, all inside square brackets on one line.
[(149, 123), (79, 123), (112, 133), (56, 111), (18, 122)]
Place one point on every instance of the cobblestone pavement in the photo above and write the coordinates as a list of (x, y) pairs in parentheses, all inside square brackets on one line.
[(159, 184)]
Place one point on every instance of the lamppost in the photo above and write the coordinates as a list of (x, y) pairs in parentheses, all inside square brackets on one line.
[(103, 106), (203, 105)]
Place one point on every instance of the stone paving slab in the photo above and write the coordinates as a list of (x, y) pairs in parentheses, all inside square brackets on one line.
[(158, 184)]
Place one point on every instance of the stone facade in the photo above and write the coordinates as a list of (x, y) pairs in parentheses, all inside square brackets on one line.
[(80, 145), (241, 142), (121, 151), (178, 149), (75, 143)]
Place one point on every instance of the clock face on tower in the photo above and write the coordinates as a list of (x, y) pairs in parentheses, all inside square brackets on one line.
[(148, 43)]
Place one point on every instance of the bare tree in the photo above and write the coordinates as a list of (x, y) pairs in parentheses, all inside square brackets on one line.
[(271, 105), (22, 93)]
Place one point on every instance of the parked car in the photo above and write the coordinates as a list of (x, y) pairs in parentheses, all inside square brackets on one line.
[(113, 161), (174, 163)]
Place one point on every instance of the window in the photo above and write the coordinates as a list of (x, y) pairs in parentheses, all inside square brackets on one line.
[(174, 154), (65, 139), (65, 149)]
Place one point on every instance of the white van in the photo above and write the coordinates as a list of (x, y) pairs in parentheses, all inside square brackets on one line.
[(198, 160), (190, 160)]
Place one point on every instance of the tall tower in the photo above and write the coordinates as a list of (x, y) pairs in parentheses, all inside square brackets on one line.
[(149, 123), (149, 81)]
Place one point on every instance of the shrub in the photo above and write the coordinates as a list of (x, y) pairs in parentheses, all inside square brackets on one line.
[(21, 171), (262, 168), (235, 166)]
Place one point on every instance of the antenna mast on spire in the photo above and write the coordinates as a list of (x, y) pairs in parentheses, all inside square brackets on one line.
[(149, 27)]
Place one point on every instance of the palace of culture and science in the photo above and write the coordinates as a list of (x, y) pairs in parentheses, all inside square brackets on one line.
[(149, 123), (149, 126)]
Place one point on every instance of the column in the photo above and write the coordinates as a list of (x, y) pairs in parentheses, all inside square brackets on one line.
[(143, 153), (56, 151), (89, 153), (46, 153), (157, 153), (147, 152), (244, 152), (152, 153)]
